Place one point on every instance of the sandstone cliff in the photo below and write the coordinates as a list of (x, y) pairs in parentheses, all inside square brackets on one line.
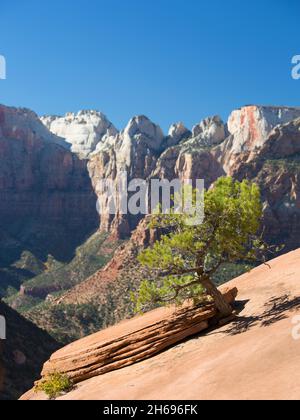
[(249, 129), (47, 203), (134, 151), (275, 167), (211, 149), (144, 152), (244, 147)]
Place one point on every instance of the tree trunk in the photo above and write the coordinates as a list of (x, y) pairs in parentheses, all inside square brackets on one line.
[(223, 307)]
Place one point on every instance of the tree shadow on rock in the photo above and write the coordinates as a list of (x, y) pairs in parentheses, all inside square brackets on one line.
[(275, 311)]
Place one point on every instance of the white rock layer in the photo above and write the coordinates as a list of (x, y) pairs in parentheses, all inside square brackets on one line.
[(84, 130)]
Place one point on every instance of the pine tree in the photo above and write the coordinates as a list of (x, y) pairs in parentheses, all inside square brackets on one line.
[(186, 259)]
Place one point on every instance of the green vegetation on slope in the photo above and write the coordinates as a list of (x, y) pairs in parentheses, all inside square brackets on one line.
[(59, 277), (13, 276), (290, 163)]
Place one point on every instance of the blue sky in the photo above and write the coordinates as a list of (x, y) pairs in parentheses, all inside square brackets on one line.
[(173, 60)]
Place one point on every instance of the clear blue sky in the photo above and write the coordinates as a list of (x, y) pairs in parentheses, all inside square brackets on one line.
[(173, 60)]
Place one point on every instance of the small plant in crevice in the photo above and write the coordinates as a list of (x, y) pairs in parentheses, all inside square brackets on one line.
[(54, 385)]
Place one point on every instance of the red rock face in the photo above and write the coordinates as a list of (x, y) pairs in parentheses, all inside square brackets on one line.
[(255, 135), (46, 199), (275, 167), (249, 129)]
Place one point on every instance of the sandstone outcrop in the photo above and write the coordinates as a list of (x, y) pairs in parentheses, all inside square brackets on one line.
[(249, 129), (256, 357), (145, 153), (82, 131), (134, 151), (177, 133), (275, 167), (23, 124), (132, 341), (251, 125), (209, 132)]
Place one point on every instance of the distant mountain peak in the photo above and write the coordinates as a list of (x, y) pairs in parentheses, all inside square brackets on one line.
[(84, 130)]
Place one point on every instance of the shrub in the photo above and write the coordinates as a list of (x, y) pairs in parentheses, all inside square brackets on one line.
[(54, 385)]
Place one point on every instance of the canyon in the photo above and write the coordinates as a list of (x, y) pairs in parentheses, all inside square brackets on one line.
[(50, 169), (70, 270)]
